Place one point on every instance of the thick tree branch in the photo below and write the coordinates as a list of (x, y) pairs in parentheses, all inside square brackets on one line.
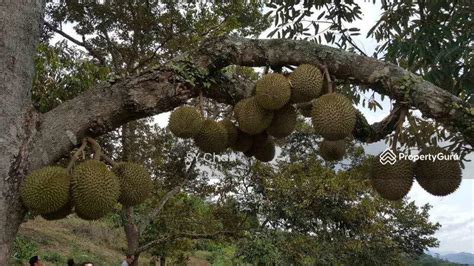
[(377, 131), (385, 78), (110, 105)]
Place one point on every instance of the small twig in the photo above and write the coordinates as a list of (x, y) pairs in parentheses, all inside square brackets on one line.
[(76, 155), (96, 147), (84, 44), (401, 119), (108, 159)]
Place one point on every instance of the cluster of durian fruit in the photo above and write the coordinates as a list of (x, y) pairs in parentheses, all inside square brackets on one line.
[(91, 189), (270, 114), (439, 178)]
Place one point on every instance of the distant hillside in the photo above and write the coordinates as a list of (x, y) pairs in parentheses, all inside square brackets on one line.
[(431, 260), (462, 258)]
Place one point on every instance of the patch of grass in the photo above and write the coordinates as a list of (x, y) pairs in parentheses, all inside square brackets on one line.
[(53, 257), (23, 249)]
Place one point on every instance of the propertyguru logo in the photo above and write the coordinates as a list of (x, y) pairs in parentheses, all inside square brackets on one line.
[(390, 157)]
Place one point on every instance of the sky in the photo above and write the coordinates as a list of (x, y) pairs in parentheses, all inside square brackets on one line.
[(455, 212)]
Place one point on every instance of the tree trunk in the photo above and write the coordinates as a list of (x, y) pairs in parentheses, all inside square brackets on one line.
[(162, 261), (131, 233), (19, 34)]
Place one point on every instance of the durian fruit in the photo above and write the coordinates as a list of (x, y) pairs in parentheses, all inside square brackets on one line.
[(272, 91), (185, 122), (231, 131), (135, 183), (333, 116), (95, 190), (238, 107), (283, 122), (59, 214), (263, 151), (46, 190), (249, 153), (305, 109), (439, 177), (332, 150), (260, 138), (392, 182), (306, 83), (243, 142), (257, 141), (252, 118), (212, 137)]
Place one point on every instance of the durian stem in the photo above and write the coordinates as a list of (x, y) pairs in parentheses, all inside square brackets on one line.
[(329, 88), (76, 155), (401, 119), (201, 109), (266, 70), (108, 159), (419, 141), (96, 147)]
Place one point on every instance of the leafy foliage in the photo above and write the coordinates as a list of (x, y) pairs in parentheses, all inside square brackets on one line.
[(61, 74), (340, 213), (130, 35)]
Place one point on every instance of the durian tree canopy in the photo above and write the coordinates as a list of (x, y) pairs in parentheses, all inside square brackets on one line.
[(159, 90)]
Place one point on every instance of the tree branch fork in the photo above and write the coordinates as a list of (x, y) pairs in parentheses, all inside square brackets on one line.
[(159, 90)]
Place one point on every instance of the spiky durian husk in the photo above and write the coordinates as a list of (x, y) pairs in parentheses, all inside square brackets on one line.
[(243, 143), (283, 123), (95, 190), (392, 182), (59, 214), (185, 122), (231, 131), (252, 118), (332, 150), (46, 190), (272, 91), (135, 183), (440, 177), (263, 148), (306, 83), (333, 116), (212, 137)]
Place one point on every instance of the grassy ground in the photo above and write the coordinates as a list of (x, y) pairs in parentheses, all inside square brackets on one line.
[(56, 241)]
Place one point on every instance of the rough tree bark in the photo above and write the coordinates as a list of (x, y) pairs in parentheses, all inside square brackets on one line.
[(29, 141), (19, 34), (131, 230), (112, 104), (132, 234)]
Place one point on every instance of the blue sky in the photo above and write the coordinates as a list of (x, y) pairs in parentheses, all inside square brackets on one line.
[(454, 212)]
